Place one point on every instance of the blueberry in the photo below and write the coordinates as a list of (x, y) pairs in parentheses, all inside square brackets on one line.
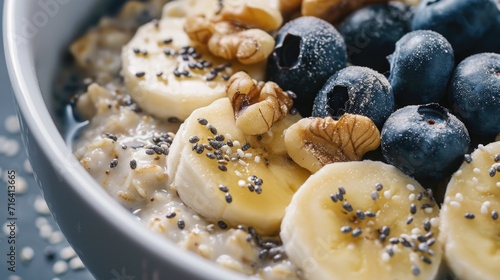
[(462, 22), (421, 66), (308, 51), (356, 90), (425, 141), (371, 32), (475, 93)]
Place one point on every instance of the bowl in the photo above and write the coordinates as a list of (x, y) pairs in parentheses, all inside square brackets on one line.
[(108, 239)]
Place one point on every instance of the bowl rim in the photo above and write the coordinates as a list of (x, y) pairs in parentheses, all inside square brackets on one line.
[(28, 96)]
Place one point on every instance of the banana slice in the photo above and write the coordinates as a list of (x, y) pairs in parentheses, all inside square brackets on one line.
[(469, 217), (183, 8), (362, 220), (170, 76), (229, 178)]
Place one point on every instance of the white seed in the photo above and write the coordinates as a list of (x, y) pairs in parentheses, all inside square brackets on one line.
[(455, 204), (434, 222), (429, 210), (60, 267), (459, 197), (257, 159), (385, 257), (410, 187), (475, 180), (459, 172), (351, 246), (11, 124), (236, 143), (481, 147), (248, 155), (411, 197), (240, 153), (242, 162), (498, 184), (27, 254), (396, 197), (67, 253), (238, 173), (387, 194), (447, 199), (241, 183), (415, 231), (476, 170)]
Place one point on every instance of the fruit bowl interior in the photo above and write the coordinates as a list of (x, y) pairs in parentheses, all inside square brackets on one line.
[(106, 236)]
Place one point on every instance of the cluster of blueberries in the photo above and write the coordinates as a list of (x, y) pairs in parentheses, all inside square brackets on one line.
[(428, 76)]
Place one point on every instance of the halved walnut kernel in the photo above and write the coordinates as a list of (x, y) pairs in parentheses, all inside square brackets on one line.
[(237, 31), (315, 142), (257, 105)]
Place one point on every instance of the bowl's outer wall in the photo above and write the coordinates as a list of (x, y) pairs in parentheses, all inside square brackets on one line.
[(111, 243)]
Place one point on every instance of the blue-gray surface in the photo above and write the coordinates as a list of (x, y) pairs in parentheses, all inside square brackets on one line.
[(40, 266)]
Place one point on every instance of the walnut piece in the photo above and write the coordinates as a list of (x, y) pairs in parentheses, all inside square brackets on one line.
[(315, 142), (237, 31), (257, 105)]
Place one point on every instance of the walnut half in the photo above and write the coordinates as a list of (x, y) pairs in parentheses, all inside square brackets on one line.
[(315, 142), (237, 31), (257, 105)]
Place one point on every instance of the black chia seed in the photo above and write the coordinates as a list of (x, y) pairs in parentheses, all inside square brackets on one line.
[(133, 164)]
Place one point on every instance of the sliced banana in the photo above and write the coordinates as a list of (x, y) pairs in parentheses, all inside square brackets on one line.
[(250, 183), (469, 217), (362, 220), (170, 76), (183, 8)]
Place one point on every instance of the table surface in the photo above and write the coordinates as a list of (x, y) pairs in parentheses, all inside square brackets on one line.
[(35, 226)]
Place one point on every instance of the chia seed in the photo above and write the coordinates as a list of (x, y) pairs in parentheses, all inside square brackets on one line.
[(370, 214), (133, 164), (111, 136), (427, 225), (409, 220), (347, 206), (245, 147), (413, 209), (357, 232), (497, 158), (379, 187), (150, 152), (342, 190), (345, 229), (171, 215), (361, 215), (334, 198), (494, 215), (467, 158), (223, 188), (229, 198), (113, 163), (469, 216), (222, 224), (222, 167), (194, 139), (210, 155), (415, 270), (425, 259), (181, 224), (375, 195), (212, 129), (140, 74)]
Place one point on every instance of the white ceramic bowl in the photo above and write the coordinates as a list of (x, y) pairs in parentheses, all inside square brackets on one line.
[(108, 239)]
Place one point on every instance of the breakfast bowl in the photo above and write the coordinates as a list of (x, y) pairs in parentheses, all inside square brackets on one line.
[(176, 140), (108, 239)]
